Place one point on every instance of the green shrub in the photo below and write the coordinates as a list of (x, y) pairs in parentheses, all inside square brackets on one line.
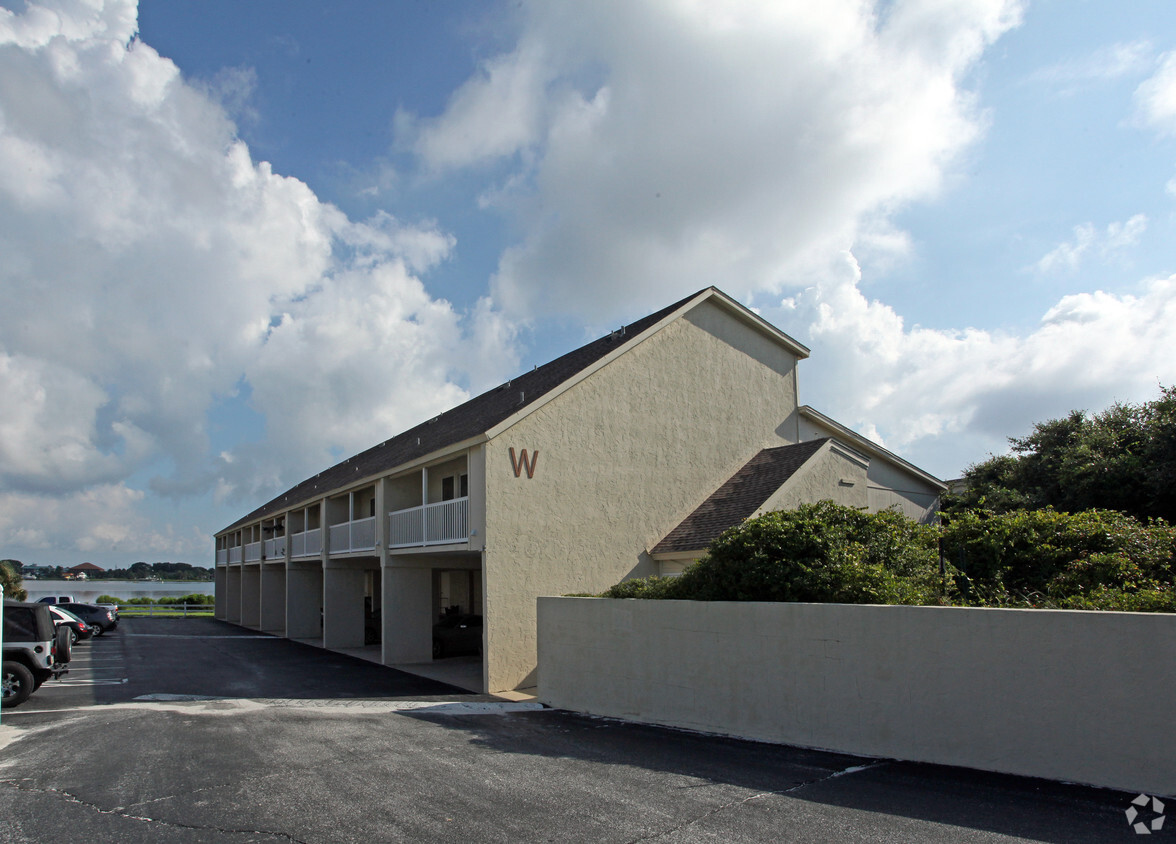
[(194, 598), (646, 587), (110, 599), (1095, 559), (820, 552), (826, 553)]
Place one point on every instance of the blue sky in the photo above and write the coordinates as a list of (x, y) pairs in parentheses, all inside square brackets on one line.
[(243, 240)]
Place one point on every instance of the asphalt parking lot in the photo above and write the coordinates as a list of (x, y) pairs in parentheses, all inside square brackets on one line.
[(198, 731)]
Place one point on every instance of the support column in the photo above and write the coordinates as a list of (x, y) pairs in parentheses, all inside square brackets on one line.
[(343, 606), (408, 615), (233, 595), (273, 598), (304, 600), (251, 596), (220, 593)]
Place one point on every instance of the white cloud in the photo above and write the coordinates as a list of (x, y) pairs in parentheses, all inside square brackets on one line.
[(151, 267), (1087, 239), (1155, 99), (97, 521), (933, 394), (670, 145), (496, 113), (1104, 64)]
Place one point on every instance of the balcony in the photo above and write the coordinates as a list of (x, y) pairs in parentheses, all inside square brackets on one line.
[(358, 535), (275, 548), (443, 523), (222, 556), (252, 552), (308, 543), (235, 554)]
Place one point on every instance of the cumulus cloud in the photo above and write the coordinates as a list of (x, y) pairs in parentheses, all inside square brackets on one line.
[(1105, 64), (1089, 240), (934, 394), (1155, 98), (152, 269), (101, 519), (664, 145)]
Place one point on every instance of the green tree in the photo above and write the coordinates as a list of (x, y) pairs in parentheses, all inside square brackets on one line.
[(1123, 458), (10, 579)]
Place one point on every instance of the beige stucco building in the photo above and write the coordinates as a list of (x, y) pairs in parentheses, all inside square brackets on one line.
[(613, 461)]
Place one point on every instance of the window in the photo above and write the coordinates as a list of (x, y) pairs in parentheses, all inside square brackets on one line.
[(460, 484)]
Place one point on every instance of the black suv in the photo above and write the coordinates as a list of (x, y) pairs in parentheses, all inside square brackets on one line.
[(100, 618), (33, 651)]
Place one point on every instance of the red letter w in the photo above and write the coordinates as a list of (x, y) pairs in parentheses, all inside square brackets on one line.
[(523, 462)]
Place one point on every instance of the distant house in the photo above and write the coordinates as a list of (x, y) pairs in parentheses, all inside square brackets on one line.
[(85, 568), (620, 459)]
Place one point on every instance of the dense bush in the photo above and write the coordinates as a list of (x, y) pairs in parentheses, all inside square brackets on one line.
[(827, 553), (1096, 559), (820, 552), (194, 598)]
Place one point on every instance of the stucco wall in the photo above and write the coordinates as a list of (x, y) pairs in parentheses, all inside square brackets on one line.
[(830, 474), (889, 484), (1077, 696), (623, 456)]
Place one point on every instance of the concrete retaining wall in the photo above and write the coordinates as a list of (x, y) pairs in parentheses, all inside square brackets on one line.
[(1085, 697)]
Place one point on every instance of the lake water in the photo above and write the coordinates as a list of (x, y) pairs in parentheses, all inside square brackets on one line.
[(87, 591)]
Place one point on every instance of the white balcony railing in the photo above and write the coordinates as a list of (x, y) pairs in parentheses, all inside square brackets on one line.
[(222, 556), (306, 544), (252, 552), (275, 548), (235, 554), (432, 524), (359, 535)]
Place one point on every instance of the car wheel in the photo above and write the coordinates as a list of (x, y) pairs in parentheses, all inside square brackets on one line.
[(438, 649), (73, 636), (16, 684), (98, 629), (64, 645)]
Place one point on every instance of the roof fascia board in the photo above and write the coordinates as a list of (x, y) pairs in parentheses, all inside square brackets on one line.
[(674, 556), (768, 505), (751, 318), (849, 454), (431, 457), (604, 361), (722, 299), (868, 447)]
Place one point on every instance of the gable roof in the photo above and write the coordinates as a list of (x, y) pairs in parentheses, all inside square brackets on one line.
[(500, 406), (742, 494), (867, 447)]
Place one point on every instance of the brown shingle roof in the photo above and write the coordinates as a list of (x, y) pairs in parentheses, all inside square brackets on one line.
[(475, 417), (743, 494)]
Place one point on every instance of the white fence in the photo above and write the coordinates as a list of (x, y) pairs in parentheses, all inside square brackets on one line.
[(359, 535), (432, 524), (307, 544), (1067, 695), (164, 609), (275, 548), (252, 552)]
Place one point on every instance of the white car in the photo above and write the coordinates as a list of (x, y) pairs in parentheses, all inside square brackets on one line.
[(64, 618)]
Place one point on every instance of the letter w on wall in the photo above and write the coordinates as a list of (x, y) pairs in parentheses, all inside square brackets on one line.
[(523, 462)]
